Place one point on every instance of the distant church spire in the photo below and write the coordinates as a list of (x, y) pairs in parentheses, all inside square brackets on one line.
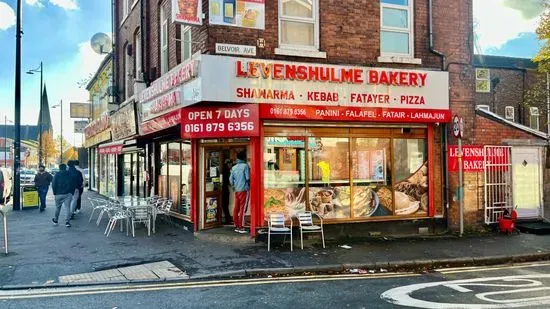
[(45, 121)]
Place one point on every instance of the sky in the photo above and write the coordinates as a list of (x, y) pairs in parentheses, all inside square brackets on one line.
[(58, 32)]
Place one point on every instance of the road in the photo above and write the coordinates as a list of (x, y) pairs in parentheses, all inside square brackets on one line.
[(516, 286)]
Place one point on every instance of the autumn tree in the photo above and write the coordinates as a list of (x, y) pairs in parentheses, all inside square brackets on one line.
[(69, 153), (543, 32), (49, 150)]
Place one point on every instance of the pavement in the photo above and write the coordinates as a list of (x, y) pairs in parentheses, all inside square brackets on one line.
[(43, 254)]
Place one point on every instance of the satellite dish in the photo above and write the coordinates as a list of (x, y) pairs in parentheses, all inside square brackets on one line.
[(101, 43)]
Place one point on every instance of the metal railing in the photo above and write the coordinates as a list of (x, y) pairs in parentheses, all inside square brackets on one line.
[(5, 228)]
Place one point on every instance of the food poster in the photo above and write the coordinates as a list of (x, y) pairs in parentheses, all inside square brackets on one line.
[(187, 11), (411, 194), (238, 13), (330, 202), (289, 201), (328, 160), (211, 210)]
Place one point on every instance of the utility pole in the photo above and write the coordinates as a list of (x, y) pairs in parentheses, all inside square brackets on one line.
[(17, 120)]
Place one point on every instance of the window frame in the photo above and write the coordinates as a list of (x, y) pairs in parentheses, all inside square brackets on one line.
[(508, 108), (164, 52), (534, 112), (488, 79), (314, 20), (409, 31), (183, 43), (138, 57), (127, 70), (484, 107)]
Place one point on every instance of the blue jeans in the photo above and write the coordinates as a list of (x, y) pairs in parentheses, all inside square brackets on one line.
[(42, 192)]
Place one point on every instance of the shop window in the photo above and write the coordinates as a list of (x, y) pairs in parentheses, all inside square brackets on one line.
[(163, 39), (186, 43), (186, 177), (284, 175), (396, 35), (410, 170), (371, 177), (174, 174), (299, 24), (483, 80), (163, 175), (329, 185), (534, 118)]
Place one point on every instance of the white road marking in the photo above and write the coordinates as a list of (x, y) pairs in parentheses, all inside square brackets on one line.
[(402, 295), (446, 271)]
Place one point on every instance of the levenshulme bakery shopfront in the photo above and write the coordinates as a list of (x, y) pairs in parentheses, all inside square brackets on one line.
[(352, 144)]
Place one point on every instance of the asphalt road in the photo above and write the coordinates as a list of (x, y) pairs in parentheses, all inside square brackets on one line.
[(518, 286)]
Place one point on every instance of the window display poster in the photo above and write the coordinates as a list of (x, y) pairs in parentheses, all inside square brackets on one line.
[(211, 209), (238, 13)]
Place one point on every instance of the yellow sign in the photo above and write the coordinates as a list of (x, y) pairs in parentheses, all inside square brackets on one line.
[(30, 197)]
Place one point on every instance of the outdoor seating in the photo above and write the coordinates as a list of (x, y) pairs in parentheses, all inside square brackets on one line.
[(118, 216), (276, 226), (111, 208), (97, 204), (141, 214), (162, 207), (305, 220)]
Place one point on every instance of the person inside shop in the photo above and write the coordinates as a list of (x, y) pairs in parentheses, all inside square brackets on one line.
[(225, 190), (240, 181), (42, 181), (63, 186), (78, 179)]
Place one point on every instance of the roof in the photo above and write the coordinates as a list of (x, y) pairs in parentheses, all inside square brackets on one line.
[(99, 70), (28, 132), (504, 121), (500, 62)]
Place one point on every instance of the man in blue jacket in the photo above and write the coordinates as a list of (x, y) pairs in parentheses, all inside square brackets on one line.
[(240, 180), (63, 187)]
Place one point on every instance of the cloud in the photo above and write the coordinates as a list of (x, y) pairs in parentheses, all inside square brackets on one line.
[(526, 45), (37, 3), (66, 4), (529, 9), (497, 22), (7, 16)]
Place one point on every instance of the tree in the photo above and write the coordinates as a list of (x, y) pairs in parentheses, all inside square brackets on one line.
[(49, 149), (69, 153), (543, 32)]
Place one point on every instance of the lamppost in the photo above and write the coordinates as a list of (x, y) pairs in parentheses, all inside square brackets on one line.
[(6, 140), (41, 70), (60, 105)]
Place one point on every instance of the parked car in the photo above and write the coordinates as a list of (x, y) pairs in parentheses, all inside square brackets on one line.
[(86, 173), (5, 185), (27, 177)]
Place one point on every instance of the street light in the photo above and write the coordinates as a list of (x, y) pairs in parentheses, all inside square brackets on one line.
[(60, 105), (31, 72), (6, 140)]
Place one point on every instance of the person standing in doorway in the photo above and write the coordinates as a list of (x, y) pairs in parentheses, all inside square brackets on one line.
[(42, 181), (240, 181), (63, 187), (225, 190), (78, 183)]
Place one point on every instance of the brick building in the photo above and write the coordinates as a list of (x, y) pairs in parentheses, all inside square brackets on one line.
[(339, 114)]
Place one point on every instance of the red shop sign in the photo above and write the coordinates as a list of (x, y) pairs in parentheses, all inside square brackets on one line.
[(473, 158), (236, 120), (162, 122), (112, 149), (346, 113)]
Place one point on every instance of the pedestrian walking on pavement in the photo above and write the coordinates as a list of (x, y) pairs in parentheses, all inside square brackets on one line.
[(63, 187), (240, 180), (78, 179), (42, 181), (81, 188)]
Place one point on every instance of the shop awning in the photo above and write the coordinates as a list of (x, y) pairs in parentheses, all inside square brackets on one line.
[(111, 148)]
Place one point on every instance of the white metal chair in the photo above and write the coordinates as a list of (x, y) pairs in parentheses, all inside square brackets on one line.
[(97, 204), (276, 226), (141, 214), (162, 207), (118, 216), (306, 226), (112, 208)]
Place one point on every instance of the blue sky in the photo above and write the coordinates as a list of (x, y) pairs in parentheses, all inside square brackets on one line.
[(57, 32)]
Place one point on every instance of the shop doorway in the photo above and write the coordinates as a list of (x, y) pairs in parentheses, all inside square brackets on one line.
[(527, 182), (133, 183), (217, 200)]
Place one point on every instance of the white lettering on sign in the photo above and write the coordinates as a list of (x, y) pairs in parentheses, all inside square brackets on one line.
[(177, 76), (232, 49)]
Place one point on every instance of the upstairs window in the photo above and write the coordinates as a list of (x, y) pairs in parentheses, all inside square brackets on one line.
[(125, 9), (299, 24), (138, 56), (483, 80), (127, 72), (509, 113), (186, 43), (534, 118), (396, 35), (163, 40)]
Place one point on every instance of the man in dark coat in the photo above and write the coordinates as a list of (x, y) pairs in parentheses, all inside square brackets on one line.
[(63, 187), (42, 181)]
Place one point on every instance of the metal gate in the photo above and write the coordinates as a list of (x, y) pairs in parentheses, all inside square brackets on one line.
[(498, 181)]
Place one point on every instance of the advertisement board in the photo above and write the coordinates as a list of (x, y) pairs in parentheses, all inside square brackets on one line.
[(80, 125), (160, 123), (239, 120), (294, 83), (238, 13), (187, 12), (123, 122), (80, 110), (473, 158), (30, 197)]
